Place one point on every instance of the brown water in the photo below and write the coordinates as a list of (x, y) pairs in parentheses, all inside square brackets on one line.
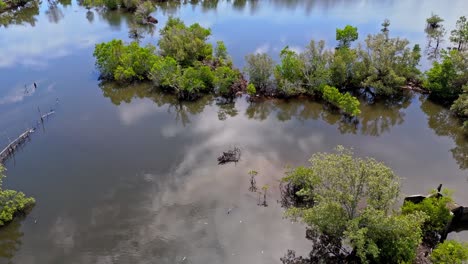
[(130, 176)]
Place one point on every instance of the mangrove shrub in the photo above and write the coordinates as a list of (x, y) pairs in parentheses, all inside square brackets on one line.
[(12, 202)]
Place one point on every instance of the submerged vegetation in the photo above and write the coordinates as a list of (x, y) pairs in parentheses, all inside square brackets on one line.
[(12, 203), (346, 203)]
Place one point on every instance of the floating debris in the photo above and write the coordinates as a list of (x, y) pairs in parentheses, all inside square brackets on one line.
[(230, 156)]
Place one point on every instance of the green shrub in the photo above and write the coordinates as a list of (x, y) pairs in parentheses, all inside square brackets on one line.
[(12, 202), (251, 89), (438, 214), (450, 252), (346, 102), (2, 5), (225, 77), (185, 44)]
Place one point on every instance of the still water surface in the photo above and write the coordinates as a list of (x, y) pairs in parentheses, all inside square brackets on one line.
[(130, 176)]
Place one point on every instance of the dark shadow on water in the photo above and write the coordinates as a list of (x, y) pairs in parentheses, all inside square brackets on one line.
[(10, 240)]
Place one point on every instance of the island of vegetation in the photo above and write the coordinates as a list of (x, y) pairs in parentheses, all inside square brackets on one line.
[(348, 205), (12, 203), (380, 68)]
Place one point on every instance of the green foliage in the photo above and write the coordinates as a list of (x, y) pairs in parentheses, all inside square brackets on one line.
[(12, 202), (460, 106), (221, 51), (260, 69), (446, 78), (346, 35), (316, 70), (436, 210), (348, 103), (194, 80), (2, 5), (385, 64), (164, 73), (343, 182), (225, 77), (251, 89), (124, 63), (435, 32), (288, 73), (185, 44), (459, 36), (342, 68), (130, 5), (143, 10), (450, 252), (378, 238)]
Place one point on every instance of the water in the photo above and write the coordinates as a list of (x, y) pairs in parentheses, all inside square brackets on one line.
[(129, 176)]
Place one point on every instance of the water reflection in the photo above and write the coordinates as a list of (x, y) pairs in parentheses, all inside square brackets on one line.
[(181, 110), (25, 15), (10, 240), (442, 121), (54, 12)]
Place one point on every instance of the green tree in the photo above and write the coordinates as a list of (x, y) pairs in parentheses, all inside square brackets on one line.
[(165, 72), (459, 36), (221, 51), (347, 201), (2, 5), (185, 44), (288, 73), (385, 64), (460, 106), (450, 252), (346, 35), (437, 212), (194, 80), (316, 70), (260, 70), (224, 79), (379, 238), (12, 202), (346, 102), (124, 63), (446, 78), (251, 89), (342, 68), (143, 10)]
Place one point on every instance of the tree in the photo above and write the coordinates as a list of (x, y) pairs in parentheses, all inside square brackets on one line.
[(251, 89), (221, 51), (346, 102), (260, 70), (165, 72), (435, 33), (438, 216), (446, 78), (342, 68), (194, 80), (316, 70), (288, 73), (12, 202), (346, 35), (253, 182), (185, 44), (346, 199), (143, 10), (459, 36), (460, 106), (224, 79), (124, 63), (379, 238), (385, 64), (450, 252)]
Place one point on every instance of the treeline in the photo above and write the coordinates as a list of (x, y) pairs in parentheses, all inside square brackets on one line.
[(379, 68), (12, 203), (347, 204), (447, 80)]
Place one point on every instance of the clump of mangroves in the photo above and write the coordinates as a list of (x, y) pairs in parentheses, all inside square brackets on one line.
[(184, 63)]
